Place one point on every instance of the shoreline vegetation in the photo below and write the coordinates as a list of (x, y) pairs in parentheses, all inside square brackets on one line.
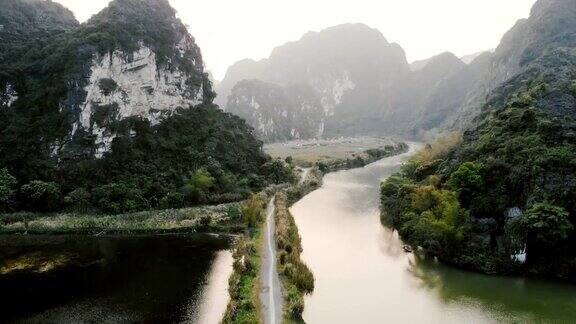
[(244, 283), (297, 279), (221, 219), (457, 202), (362, 159)]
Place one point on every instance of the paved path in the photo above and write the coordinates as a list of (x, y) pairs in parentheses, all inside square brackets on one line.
[(271, 294)]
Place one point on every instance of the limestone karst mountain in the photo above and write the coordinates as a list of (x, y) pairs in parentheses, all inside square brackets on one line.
[(113, 68), (363, 83), (118, 106), (351, 69), (281, 113), (366, 87)]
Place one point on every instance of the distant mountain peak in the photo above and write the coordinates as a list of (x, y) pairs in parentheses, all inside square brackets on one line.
[(444, 58)]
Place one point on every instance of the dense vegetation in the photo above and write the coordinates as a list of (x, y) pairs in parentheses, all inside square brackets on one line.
[(502, 200), (224, 218), (508, 188), (196, 156), (244, 304), (297, 279)]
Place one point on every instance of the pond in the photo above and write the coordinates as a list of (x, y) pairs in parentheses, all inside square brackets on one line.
[(111, 279)]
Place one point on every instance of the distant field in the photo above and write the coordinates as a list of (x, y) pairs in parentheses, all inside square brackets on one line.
[(317, 150)]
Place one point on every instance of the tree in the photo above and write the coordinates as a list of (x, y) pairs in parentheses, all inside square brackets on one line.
[(119, 198), (467, 181), (278, 172), (7, 183), (252, 210), (79, 199), (198, 186), (41, 196), (546, 224), (468, 177)]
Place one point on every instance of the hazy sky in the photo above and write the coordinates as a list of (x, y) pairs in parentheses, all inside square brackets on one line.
[(230, 30)]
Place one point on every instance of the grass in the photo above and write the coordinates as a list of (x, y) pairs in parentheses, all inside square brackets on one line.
[(439, 148), (296, 277), (244, 284), (307, 153), (198, 219)]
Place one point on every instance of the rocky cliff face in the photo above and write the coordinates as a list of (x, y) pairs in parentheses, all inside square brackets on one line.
[(366, 87), (279, 113), (363, 83), (134, 85), (537, 47), (351, 69), (8, 96), (115, 115), (135, 59)]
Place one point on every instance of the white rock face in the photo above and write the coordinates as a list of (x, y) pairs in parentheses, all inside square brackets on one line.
[(333, 90), (134, 85), (8, 96)]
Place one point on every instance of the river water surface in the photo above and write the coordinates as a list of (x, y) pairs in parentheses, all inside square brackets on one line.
[(115, 279), (363, 275)]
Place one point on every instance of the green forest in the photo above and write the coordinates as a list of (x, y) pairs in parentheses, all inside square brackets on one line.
[(462, 201), (196, 155)]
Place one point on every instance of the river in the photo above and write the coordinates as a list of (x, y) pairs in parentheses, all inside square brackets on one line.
[(114, 279), (363, 275)]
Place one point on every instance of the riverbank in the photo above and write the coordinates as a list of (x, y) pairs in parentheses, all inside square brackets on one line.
[(244, 283), (296, 277), (360, 160), (312, 179), (442, 211), (225, 218)]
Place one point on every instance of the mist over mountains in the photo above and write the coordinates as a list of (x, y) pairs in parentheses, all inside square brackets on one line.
[(365, 85)]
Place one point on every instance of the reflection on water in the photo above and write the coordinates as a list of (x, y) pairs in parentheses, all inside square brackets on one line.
[(363, 275), (154, 279), (509, 298)]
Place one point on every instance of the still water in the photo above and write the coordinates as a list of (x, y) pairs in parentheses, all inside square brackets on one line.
[(364, 276), (117, 279)]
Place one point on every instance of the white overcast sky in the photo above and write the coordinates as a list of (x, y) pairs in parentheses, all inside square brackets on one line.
[(230, 30)]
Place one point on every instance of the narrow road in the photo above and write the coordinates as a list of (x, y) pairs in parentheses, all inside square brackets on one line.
[(271, 293)]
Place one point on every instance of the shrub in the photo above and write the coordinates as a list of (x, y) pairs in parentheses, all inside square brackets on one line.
[(41, 196), (234, 213), (547, 224), (118, 198), (251, 213), (78, 200), (439, 148), (107, 86), (172, 200)]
